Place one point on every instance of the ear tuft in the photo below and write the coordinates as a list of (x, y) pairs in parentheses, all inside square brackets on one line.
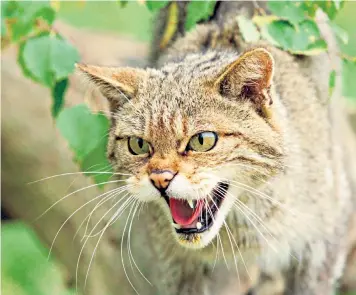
[(249, 77), (118, 85)]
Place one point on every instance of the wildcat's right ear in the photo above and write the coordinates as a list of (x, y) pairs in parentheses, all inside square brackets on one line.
[(118, 85), (249, 77)]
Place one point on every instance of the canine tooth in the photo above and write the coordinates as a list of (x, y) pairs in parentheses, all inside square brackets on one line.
[(191, 205), (199, 225), (177, 226)]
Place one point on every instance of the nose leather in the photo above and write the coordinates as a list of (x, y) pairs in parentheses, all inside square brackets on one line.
[(161, 178)]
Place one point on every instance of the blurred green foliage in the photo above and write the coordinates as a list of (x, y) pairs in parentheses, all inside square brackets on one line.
[(133, 19), (25, 268)]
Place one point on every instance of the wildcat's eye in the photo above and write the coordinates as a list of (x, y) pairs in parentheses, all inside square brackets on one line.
[(138, 146), (202, 142)]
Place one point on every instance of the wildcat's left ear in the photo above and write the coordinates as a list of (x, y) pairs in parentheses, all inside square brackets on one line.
[(249, 77), (118, 85)]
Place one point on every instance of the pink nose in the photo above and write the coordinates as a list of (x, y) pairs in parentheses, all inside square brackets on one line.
[(161, 179)]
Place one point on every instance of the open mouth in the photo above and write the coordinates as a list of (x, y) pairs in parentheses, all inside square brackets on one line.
[(196, 216)]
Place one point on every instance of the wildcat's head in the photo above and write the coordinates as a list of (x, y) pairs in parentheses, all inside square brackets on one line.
[(193, 134)]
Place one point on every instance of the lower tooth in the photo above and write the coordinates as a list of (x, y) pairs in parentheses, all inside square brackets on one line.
[(177, 226), (199, 225)]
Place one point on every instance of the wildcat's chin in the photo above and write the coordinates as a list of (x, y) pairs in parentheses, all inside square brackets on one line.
[(197, 222)]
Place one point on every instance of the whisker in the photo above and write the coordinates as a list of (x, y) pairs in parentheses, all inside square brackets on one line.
[(112, 195), (252, 223), (81, 172), (81, 250), (97, 244), (76, 191), (232, 247), (129, 245), (122, 255), (70, 216), (116, 216), (218, 236)]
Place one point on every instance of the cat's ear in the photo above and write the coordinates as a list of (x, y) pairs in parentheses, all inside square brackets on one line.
[(248, 77), (118, 85)]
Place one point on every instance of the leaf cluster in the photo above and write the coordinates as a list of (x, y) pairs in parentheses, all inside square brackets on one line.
[(47, 58)]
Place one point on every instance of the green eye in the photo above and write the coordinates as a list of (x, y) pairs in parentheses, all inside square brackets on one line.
[(202, 142), (138, 146)]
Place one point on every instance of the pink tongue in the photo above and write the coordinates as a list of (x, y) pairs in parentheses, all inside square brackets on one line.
[(182, 213)]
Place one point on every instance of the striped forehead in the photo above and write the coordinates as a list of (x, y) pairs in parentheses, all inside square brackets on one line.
[(197, 65)]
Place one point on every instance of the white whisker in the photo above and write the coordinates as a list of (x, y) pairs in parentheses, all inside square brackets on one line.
[(55, 237), (81, 250), (81, 172), (76, 191), (96, 246)]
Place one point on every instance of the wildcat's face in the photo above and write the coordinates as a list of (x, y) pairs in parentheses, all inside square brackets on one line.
[(190, 146)]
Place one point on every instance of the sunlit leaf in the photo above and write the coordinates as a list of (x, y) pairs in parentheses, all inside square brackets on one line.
[(197, 11), (315, 48), (310, 7), (330, 7), (266, 36), (23, 14), (248, 29), (4, 8), (262, 20), (48, 58), (86, 134), (302, 38), (292, 11), (156, 5)]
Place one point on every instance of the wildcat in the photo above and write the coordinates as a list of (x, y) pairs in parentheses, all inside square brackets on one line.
[(239, 158)]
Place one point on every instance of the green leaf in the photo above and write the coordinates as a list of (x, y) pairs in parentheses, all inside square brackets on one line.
[(293, 11), (310, 7), (348, 78), (304, 38), (25, 268), (26, 72), (123, 3), (340, 33), (248, 29), (63, 56), (48, 58), (58, 92), (96, 161), (4, 12), (332, 79), (197, 11), (156, 5), (23, 15), (283, 33), (315, 48), (330, 7), (86, 134)]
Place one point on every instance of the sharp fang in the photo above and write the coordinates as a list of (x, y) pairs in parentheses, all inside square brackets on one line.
[(199, 225), (190, 202), (177, 226)]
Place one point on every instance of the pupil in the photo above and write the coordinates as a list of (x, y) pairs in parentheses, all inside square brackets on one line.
[(201, 139), (140, 143)]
